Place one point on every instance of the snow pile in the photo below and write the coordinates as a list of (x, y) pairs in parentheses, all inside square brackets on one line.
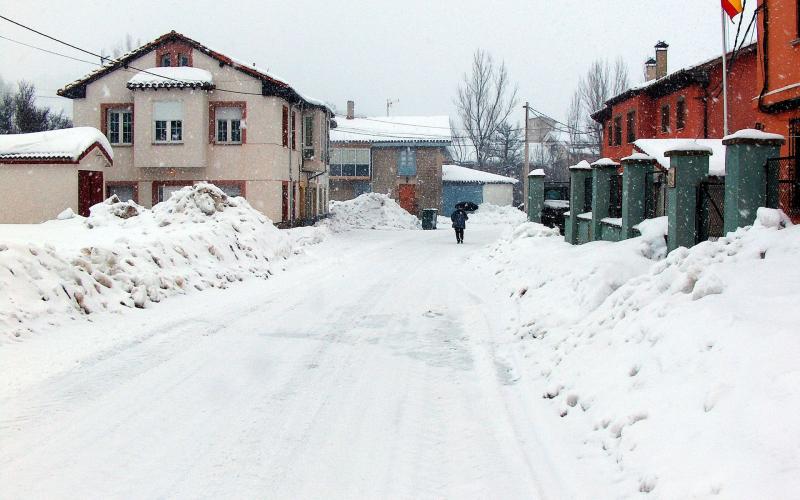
[(125, 256), (68, 143), (369, 211), (495, 214), (681, 374)]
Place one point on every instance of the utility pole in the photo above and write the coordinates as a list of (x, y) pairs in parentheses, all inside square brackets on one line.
[(527, 169), (724, 77), (389, 104)]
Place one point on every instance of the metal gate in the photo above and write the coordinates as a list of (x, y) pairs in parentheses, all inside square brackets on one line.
[(710, 218), (788, 196), (654, 196), (615, 196)]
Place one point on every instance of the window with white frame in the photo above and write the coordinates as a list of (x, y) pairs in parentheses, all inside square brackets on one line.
[(120, 127), (229, 125), (308, 136), (407, 162), (168, 122), (350, 162)]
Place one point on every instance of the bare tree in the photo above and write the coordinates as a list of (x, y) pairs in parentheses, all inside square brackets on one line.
[(123, 47), (600, 83), (459, 149), (485, 101), (574, 124), (507, 146)]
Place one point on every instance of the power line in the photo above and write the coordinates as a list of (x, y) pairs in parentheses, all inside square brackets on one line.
[(49, 51), (104, 58)]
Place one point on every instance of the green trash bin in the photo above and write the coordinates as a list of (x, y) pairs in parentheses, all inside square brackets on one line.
[(429, 216)]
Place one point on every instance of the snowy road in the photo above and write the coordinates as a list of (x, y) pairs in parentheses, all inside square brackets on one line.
[(366, 369)]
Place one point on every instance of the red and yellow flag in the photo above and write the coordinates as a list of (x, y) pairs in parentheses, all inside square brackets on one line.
[(732, 7)]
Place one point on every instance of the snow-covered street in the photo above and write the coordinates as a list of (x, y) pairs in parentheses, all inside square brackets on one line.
[(379, 381)]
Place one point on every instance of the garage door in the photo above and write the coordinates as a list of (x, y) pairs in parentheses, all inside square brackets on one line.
[(454, 193)]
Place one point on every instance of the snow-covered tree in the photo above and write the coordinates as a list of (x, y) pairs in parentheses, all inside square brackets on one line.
[(19, 112), (600, 83)]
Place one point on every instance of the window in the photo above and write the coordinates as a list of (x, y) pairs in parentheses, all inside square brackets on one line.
[(232, 190), (665, 127), (618, 131), (631, 122), (680, 114), (294, 130), (120, 127), (285, 127), (350, 162), (229, 125), (183, 60), (165, 60), (164, 191), (407, 162), (125, 192), (168, 121), (610, 134), (308, 137)]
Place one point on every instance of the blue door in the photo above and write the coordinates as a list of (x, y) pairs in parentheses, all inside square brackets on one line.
[(453, 193)]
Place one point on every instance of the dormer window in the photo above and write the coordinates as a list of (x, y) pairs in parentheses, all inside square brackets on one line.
[(165, 60), (183, 60)]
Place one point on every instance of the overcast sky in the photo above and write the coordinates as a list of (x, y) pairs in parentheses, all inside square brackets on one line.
[(413, 51)]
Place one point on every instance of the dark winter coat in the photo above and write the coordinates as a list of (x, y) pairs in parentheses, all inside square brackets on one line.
[(459, 218)]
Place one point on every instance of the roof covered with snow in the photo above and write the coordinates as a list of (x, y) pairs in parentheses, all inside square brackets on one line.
[(658, 147), (172, 77), (271, 84), (64, 144), (455, 173), (390, 129)]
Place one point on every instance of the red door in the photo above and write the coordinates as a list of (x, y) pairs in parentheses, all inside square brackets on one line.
[(408, 197), (90, 190)]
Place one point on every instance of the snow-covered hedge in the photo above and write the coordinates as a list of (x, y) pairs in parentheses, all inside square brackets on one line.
[(126, 256), (680, 374)]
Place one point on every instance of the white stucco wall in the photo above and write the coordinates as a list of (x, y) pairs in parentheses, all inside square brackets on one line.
[(34, 193), (498, 194), (263, 162)]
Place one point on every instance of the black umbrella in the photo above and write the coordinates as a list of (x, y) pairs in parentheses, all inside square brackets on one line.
[(467, 206)]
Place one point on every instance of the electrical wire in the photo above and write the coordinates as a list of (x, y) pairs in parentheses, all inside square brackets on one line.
[(110, 60)]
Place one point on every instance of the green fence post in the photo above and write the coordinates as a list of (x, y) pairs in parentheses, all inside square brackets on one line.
[(602, 170), (535, 195), (577, 198), (747, 182), (688, 167), (634, 180)]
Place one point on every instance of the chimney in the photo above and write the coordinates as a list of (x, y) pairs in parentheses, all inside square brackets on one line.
[(650, 70), (661, 59), (351, 110)]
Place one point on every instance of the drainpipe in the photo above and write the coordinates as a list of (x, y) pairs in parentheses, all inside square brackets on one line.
[(291, 167)]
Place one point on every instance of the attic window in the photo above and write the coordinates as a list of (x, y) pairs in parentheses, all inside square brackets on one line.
[(183, 60), (165, 60)]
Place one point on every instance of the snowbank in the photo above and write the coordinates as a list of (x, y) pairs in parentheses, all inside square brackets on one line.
[(494, 214), (369, 211), (456, 173), (679, 373), (125, 256)]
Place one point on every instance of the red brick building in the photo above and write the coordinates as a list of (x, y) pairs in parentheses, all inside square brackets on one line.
[(684, 104)]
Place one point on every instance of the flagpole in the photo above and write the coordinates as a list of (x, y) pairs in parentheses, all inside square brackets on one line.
[(724, 76)]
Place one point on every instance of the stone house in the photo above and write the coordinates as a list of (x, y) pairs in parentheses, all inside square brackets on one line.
[(400, 156), (177, 112)]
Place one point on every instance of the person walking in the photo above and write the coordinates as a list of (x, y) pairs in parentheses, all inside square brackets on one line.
[(459, 218)]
